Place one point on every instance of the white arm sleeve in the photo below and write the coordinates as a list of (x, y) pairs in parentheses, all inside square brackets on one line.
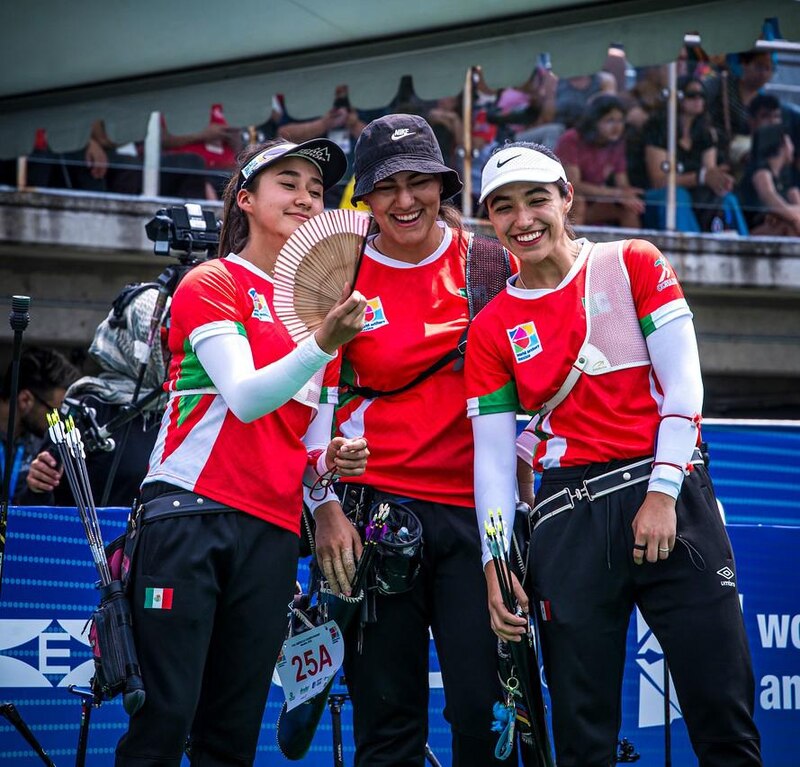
[(495, 471), (317, 438), (676, 364), (251, 393)]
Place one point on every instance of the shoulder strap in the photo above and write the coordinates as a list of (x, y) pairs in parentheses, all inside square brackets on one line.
[(488, 269), (587, 354)]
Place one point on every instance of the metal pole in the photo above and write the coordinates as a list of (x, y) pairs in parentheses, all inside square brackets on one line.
[(335, 705), (152, 156), (672, 142), (466, 192)]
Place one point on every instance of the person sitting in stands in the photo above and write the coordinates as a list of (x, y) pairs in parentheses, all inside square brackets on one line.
[(594, 155), (117, 168), (703, 194), (342, 125), (729, 97), (769, 191)]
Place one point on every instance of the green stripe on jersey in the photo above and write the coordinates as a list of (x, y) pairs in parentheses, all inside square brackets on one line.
[(663, 315), (503, 400), (192, 375), (329, 395), (186, 404)]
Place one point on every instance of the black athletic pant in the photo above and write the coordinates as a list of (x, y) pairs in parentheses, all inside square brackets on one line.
[(207, 662), (582, 567), (388, 680)]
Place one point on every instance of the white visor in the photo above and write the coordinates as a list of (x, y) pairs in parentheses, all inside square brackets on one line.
[(518, 163)]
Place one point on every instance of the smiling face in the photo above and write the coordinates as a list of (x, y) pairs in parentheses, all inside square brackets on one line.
[(282, 197), (406, 208), (530, 221)]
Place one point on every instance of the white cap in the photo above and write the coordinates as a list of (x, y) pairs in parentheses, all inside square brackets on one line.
[(518, 163)]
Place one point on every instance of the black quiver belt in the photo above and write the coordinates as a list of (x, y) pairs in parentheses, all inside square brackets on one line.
[(116, 667)]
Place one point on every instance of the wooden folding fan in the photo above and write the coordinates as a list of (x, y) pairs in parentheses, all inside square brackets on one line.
[(313, 266)]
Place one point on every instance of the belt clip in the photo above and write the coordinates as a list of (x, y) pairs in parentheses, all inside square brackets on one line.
[(582, 493)]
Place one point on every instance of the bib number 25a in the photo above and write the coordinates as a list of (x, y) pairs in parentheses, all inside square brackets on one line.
[(308, 661)]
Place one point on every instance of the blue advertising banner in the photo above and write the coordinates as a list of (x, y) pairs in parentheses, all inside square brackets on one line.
[(48, 593)]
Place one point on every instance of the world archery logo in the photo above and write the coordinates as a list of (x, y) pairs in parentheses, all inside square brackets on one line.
[(525, 341), (260, 307), (650, 660), (374, 316)]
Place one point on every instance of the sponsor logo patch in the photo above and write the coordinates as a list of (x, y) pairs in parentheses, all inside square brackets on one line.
[(374, 316), (260, 307), (524, 341)]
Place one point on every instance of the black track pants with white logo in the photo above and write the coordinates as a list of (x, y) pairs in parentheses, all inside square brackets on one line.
[(207, 653), (584, 578)]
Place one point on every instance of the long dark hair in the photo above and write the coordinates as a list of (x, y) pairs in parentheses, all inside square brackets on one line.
[(596, 109), (235, 228), (561, 185)]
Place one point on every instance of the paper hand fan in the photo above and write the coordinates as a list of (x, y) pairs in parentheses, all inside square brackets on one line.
[(313, 267)]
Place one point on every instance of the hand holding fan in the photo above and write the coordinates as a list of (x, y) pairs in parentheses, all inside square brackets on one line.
[(313, 266)]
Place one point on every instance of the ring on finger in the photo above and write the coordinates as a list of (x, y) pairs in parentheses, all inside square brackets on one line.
[(664, 551), (640, 546)]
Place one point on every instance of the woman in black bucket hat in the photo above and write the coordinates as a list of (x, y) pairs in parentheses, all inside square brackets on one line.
[(401, 386)]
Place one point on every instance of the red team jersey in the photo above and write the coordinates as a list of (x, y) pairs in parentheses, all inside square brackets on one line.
[(202, 446), (522, 345), (420, 443)]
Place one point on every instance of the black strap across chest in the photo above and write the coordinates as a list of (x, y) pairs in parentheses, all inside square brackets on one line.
[(488, 269)]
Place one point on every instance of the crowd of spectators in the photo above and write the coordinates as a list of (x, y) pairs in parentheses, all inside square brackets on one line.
[(737, 166)]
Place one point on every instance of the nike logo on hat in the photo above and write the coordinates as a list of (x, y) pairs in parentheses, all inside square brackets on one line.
[(402, 133), (500, 163)]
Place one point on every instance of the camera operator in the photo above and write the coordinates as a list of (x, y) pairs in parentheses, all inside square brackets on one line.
[(107, 394)]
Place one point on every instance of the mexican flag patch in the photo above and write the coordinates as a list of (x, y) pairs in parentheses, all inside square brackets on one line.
[(158, 599)]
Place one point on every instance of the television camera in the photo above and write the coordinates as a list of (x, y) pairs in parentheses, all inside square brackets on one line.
[(187, 228)]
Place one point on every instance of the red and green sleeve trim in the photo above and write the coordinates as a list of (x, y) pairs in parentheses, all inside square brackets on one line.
[(502, 400), (663, 315)]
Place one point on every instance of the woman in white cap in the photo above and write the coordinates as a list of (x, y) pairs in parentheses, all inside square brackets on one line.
[(596, 342), (403, 389), (218, 530)]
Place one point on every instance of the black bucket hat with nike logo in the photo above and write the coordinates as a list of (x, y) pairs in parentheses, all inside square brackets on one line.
[(396, 143)]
